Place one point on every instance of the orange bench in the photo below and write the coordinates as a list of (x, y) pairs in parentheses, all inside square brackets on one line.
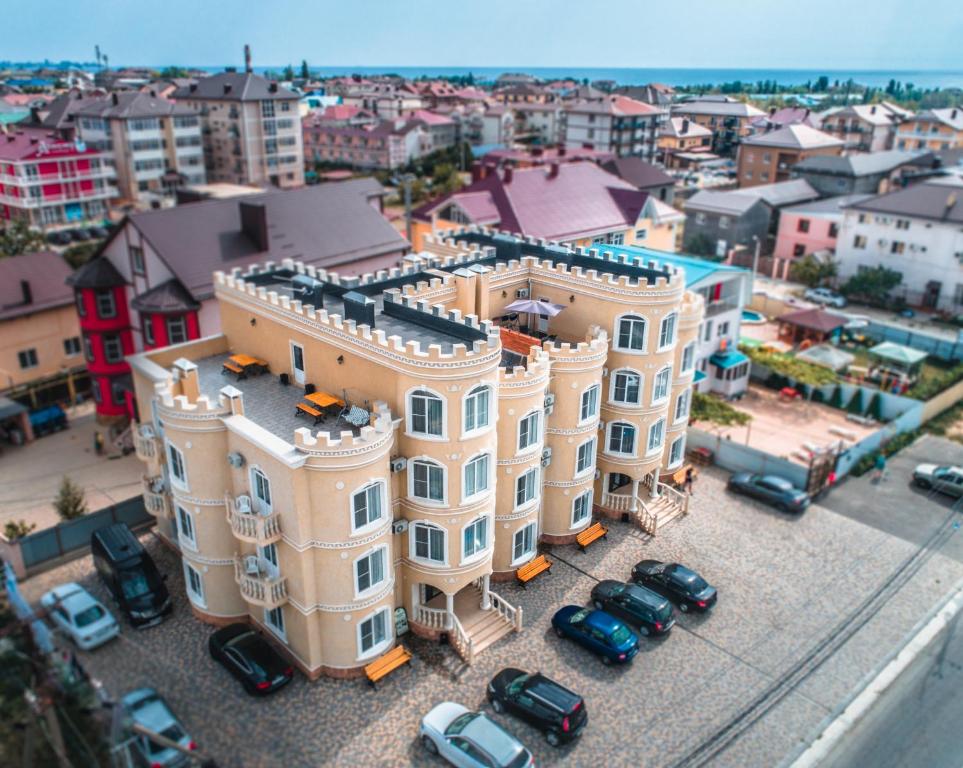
[(228, 366), (532, 568), (309, 410), (590, 534), (384, 665)]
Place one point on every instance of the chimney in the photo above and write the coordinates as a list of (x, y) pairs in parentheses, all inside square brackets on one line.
[(872, 110), (562, 150), (114, 100), (254, 224), (27, 293), (553, 170), (772, 111), (953, 114), (247, 58), (685, 125), (192, 87), (273, 87), (507, 177), (359, 308), (227, 88)]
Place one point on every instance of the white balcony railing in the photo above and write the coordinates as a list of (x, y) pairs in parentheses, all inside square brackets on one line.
[(156, 500), (254, 527), (260, 588)]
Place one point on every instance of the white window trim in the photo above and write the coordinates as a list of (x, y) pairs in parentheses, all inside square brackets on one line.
[(411, 482), (184, 540), (200, 600), (682, 368), (612, 379), (580, 523), (598, 404), (678, 462), (385, 576), (411, 544), (676, 418), (675, 331), (377, 648), (263, 507), (409, 415), (465, 497), (608, 438), (535, 446), (382, 497), (668, 387), (279, 633), (645, 334), (536, 498), (464, 411), (526, 556), (467, 559), (591, 467), (176, 482), (648, 437)]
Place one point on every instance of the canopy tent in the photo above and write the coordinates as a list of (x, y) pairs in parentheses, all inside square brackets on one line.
[(728, 359), (827, 356), (897, 355)]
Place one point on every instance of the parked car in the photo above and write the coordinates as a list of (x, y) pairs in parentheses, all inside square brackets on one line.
[(948, 480), (825, 296), (146, 708), (58, 238), (250, 658), (470, 739), (80, 616), (130, 575), (98, 232), (46, 421), (770, 488), (598, 631), (686, 588), (80, 235), (538, 700), (649, 611)]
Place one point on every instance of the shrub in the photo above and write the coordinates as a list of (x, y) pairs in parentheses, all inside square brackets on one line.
[(17, 529), (70, 502), (890, 447), (876, 407), (856, 403), (931, 386), (715, 410), (790, 367)]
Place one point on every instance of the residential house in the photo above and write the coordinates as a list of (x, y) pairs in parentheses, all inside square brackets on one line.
[(539, 123), (425, 517), (865, 127), (251, 129), (857, 173), (615, 124), (730, 121), (150, 284), (529, 157), (916, 231), (365, 142), (682, 136), (768, 158), (387, 101), (523, 93), (933, 129), (441, 130), (780, 118)]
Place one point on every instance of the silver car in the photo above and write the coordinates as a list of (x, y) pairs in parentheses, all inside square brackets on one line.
[(470, 740), (825, 296), (146, 708), (948, 480), (80, 616)]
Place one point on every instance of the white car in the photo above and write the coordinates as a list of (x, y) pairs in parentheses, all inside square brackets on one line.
[(825, 296), (470, 740), (948, 480), (80, 615)]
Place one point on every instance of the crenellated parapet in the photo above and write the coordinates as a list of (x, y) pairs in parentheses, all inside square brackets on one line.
[(691, 310), (594, 349), (535, 375), (378, 433)]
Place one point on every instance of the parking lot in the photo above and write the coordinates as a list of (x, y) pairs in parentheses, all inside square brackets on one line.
[(784, 583)]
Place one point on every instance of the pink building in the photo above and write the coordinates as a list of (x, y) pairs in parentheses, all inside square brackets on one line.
[(808, 228)]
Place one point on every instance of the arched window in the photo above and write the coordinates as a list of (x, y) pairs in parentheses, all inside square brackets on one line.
[(656, 436), (581, 508), (688, 357), (474, 538), (428, 542), (630, 334), (427, 480), (366, 505), (528, 430), (477, 409), (261, 488), (374, 633), (626, 387), (476, 475), (589, 407), (622, 438), (667, 331), (370, 570), (523, 543), (682, 405), (526, 488), (585, 457), (676, 452), (660, 385), (426, 413)]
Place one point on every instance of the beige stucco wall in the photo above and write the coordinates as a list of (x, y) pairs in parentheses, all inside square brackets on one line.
[(45, 332)]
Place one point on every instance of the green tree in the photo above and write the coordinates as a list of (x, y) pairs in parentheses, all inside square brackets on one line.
[(17, 529), (288, 73), (168, 73), (701, 244), (80, 253), (446, 179), (19, 238), (812, 272), (70, 502), (305, 72), (713, 409), (872, 285)]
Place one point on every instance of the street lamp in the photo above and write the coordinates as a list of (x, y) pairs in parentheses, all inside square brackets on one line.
[(755, 264)]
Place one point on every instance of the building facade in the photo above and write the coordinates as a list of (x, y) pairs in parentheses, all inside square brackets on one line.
[(768, 158), (619, 125), (729, 121), (472, 453), (932, 129), (864, 127)]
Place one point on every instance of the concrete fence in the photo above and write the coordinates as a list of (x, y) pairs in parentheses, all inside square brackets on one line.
[(736, 457)]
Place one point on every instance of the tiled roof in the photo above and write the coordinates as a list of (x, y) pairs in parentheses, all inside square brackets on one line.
[(430, 118), (718, 108), (783, 192), (637, 172), (827, 206), (132, 105), (167, 297), (27, 142), (673, 127), (46, 274), (930, 200), (732, 203), (97, 273), (951, 116), (235, 86), (617, 106), (858, 163), (795, 136)]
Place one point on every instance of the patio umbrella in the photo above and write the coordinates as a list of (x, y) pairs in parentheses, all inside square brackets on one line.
[(535, 307)]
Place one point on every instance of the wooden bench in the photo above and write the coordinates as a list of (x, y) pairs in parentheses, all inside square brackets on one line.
[(590, 534), (677, 477), (532, 568), (384, 665), (229, 367), (309, 410)]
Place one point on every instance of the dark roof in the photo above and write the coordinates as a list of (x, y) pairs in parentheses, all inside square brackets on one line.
[(235, 86), (97, 273), (60, 112), (324, 225), (638, 172), (814, 319), (45, 272), (132, 105), (936, 201), (169, 297), (857, 164)]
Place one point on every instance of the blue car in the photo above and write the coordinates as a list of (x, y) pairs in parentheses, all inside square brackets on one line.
[(598, 631)]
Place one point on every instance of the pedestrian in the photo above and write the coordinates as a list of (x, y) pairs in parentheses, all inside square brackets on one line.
[(689, 477), (99, 443), (880, 465)]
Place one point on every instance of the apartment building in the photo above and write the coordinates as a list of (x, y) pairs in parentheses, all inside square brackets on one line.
[(365, 142), (933, 129), (615, 124), (729, 121), (865, 127), (809, 228), (251, 129), (857, 173), (542, 123), (460, 446), (46, 181), (682, 136), (768, 158), (154, 144)]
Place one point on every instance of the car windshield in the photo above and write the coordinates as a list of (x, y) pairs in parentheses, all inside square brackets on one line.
[(516, 685), (776, 483), (620, 635), (460, 723), (940, 471), (88, 616), (135, 584), (578, 617), (618, 589), (258, 654), (173, 732), (521, 759), (689, 580)]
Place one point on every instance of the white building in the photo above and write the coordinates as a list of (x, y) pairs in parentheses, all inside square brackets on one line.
[(616, 124)]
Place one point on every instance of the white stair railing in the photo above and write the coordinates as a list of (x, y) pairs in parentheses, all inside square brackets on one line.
[(512, 614), (461, 641), (433, 618)]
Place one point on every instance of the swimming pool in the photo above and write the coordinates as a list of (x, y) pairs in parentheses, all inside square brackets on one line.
[(752, 317)]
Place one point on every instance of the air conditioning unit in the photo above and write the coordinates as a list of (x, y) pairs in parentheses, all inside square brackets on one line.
[(235, 459), (598, 474), (602, 425), (883, 241), (243, 504), (399, 526), (398, 464), (549, 403), (251, 565), (521, 293), (605, 373), (546, 457)]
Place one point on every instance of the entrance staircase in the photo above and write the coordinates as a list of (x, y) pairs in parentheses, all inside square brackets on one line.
[(476, 629), (650, 514)]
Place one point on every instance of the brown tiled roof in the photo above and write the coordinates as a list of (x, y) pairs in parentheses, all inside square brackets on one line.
[(637, 172), (45, 272), (814, 320), (169, 297), (235, 86)]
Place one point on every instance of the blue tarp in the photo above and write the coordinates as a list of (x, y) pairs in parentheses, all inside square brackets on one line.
[(728, 359), (699, 376), (696, 269)]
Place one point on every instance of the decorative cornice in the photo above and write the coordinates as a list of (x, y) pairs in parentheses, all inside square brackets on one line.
[(358, 605)]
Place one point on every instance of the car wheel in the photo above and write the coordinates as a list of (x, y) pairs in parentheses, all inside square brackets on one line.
[(559, 632), (498, 706), (644, 631), (924, 484), (552, 738), (597, 604), (684, 607), (429, 745), (607, 661)]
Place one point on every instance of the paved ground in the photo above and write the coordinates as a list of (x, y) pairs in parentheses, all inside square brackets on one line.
[(784, 584), (31, 474)]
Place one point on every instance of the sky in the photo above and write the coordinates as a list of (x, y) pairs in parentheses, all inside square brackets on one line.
[(782, 34)]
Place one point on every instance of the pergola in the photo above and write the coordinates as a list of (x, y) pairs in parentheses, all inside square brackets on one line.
[(896, 358), (815, 325)]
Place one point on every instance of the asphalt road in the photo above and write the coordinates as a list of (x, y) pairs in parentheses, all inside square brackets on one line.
[(916, 724)]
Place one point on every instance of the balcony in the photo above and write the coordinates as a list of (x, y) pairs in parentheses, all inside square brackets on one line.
[(103, 193), (89, 174), (251, 526), (718, 307), (147, 444), (156, 500), (257, 586)]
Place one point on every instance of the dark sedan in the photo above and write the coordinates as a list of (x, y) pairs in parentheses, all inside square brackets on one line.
[(598, 631), (684, 587), (551, 708), (250, 658), (771, 489), (647, 610)]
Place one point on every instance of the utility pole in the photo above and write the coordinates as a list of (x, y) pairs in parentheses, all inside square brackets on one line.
[(406, 181), (755, 265)]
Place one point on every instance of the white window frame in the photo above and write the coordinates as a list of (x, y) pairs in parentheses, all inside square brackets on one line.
[(470, 405), (678, 461), (379, 646), (533, 444), (667, 373), (588, 508), (478, 492), (479, 552), (373, 586), (685, 397), (378, 486), (427, 460), (671, 320), (613, 385), (688, 355), (410, 415), (279, 631), (526, 554), (264, 506), (631, 317), (176, 456), (593, 396), (534, 498), (588, 448), (196, 596), (413, 544), (185, 538), (653, 449), (608, 438)]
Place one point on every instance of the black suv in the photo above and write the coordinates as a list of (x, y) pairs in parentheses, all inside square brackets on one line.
[(685, 587), (646, 609), (551, 708)]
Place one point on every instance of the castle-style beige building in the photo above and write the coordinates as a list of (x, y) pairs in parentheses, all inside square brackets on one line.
[(442, 448)]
